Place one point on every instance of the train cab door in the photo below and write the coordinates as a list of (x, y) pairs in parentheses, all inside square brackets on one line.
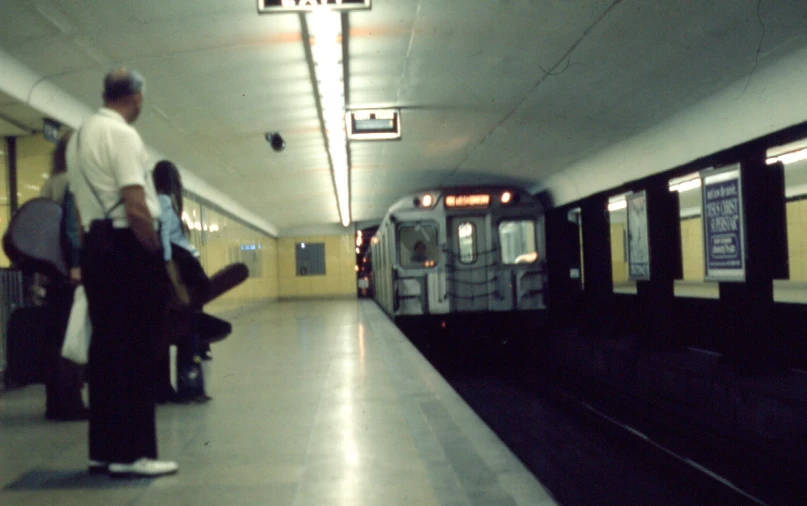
[(522, 274), (470, 260)]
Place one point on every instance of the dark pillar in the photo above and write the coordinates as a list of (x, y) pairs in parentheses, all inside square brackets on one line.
[(563, 258), (750, 335), (656, 297), (598, 287)]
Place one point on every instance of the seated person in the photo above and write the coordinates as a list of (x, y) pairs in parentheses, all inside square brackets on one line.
[(190, 382)]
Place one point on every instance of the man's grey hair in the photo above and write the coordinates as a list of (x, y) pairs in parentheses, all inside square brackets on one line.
[(121, 82)]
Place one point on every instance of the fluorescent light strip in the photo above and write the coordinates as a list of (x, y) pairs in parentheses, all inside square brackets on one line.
[(619, 204), (788, 158), (325, 26), (685, 186)]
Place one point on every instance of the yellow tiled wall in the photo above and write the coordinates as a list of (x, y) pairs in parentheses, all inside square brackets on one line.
[(222, 241), (797, 239), (34, 156), (5, 205), (692, 248), (619, 267), (340, 272)]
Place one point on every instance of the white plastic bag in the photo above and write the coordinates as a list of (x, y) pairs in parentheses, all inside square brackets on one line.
[(76, 345)]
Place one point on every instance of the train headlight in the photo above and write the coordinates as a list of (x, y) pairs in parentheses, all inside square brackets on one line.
[(506, 197), (426, 200)]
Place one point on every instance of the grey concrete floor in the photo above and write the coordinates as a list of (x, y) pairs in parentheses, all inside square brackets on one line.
[(314, 403)]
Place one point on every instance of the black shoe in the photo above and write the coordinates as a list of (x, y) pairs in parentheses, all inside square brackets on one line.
[(77, 415), (68, 416), (98, 467), (166, 396)]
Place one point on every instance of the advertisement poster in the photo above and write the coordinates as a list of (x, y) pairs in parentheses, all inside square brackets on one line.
[(723, 227), (638, 241)]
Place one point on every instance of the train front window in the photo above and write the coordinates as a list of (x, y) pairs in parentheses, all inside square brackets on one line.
[(466, 232), (418, 245), (517, 240)]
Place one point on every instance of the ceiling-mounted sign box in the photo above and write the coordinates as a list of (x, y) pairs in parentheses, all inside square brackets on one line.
[(370, 124), (274, 6), (51, 130)]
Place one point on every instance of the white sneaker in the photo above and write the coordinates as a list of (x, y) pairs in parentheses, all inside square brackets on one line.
[(144, 467), (98, 466)]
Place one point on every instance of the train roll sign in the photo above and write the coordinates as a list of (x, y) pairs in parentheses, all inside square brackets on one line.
[(481, 200), (382, 124), (275, 6)]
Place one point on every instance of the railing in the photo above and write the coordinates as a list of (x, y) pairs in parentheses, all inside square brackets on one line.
[(12, 296), (482, 264)]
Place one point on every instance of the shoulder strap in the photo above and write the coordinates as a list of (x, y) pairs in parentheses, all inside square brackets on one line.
[(92, 188)]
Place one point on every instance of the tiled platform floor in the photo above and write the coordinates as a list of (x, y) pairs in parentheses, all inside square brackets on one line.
[(315, 403)]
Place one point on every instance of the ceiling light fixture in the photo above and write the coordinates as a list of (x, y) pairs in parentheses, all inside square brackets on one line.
[(685, 186), (788, 158), (617, 205), (325, 28)]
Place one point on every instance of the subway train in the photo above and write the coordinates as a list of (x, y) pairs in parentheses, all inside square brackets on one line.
[(461, 256)]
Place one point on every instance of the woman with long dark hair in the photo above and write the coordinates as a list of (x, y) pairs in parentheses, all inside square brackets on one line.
[(173, 234)]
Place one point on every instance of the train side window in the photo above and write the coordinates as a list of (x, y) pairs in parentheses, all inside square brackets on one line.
[(418, 245), (517, 242), (466, 232)]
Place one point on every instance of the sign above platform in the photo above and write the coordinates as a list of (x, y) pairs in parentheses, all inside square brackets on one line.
[(275, 6), (373, 124)]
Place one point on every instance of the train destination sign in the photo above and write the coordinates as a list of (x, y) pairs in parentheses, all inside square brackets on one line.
[(481, 200), (723, 227), (275, 6), (373, 124)]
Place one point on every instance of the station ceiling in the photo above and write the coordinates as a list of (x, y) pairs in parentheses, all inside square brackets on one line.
[(490, 91)]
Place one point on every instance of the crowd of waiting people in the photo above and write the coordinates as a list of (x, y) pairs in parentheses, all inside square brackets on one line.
[(123, 229)]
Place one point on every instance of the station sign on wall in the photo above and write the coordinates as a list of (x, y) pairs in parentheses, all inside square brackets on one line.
[(373, 124), (274, 6), (723, 226), (638, 239)]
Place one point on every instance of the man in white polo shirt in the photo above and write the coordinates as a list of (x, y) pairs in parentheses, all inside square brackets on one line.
[(124, 277)]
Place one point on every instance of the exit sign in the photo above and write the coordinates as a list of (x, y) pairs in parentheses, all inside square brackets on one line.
[(275, 6)]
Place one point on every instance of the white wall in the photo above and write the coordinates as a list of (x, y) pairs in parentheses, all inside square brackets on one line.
[(776, 98), (28, 87)]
